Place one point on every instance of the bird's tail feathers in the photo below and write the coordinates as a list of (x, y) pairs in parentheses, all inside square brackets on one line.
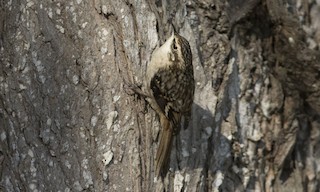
[(165, 145)]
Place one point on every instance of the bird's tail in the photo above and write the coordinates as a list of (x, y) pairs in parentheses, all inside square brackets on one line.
[(164, 150)]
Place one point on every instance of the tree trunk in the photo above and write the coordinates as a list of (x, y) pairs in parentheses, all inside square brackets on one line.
[(68, 122)]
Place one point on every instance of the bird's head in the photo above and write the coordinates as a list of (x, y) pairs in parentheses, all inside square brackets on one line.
[(176, 49)]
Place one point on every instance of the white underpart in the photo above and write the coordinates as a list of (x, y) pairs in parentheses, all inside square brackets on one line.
[(159, 59)]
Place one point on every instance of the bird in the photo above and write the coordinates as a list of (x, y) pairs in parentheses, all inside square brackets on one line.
[(170, 88)]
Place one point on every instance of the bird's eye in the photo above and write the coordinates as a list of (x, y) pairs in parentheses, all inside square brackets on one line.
[(174, 44)]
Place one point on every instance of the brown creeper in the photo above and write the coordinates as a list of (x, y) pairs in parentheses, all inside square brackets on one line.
[(170, 86)]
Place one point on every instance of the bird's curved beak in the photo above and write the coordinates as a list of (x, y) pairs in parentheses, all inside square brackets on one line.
[(174, 31)]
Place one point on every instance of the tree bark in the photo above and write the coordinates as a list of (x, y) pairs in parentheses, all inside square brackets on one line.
[(68, 122)]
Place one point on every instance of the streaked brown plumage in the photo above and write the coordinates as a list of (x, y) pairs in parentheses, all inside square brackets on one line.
[(170, 86)]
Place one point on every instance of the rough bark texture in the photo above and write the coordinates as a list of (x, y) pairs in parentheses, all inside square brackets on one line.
[(68, 124)]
